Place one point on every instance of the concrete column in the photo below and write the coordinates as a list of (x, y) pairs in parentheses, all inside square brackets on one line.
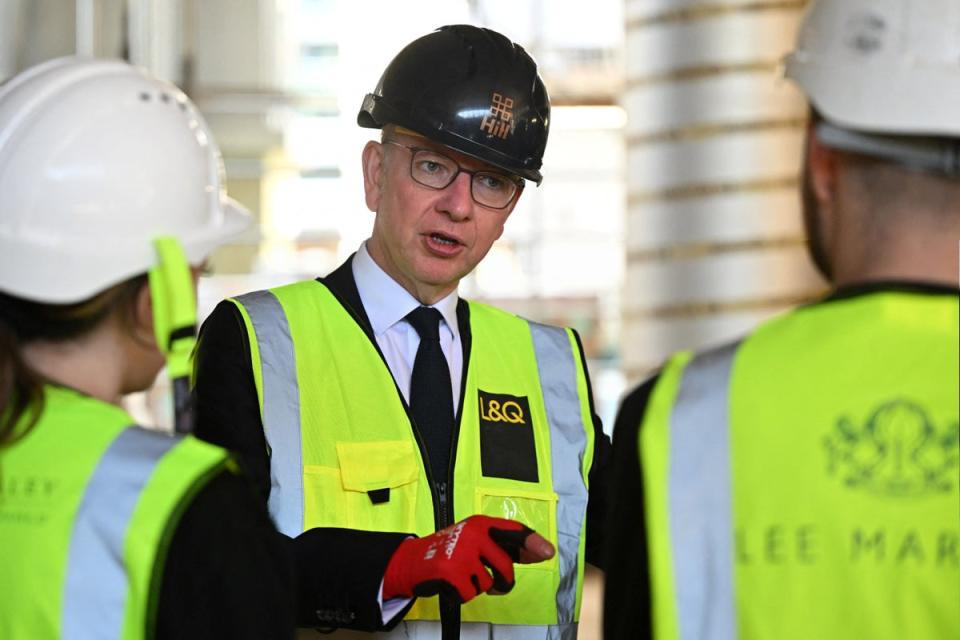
[(714, 235), (234, 45), (37, 30), (86, 32), (155, 36), (11, 32)]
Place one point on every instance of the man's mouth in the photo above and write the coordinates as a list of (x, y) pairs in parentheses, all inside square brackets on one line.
[(444, 240)]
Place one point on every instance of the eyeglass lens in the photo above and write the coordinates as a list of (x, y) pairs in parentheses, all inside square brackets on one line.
[(437, 171)]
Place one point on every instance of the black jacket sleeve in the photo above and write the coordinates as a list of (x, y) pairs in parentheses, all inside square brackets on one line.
[(598, 502), (599, 481), (338, 571), (626, 606), (226, 575), (227, 407)]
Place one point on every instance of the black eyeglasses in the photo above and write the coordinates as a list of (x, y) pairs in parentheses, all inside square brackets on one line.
[(434, 170)]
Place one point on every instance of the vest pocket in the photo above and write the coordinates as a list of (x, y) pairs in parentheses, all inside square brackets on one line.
[(378, 485), (536, 509), (532, 600)]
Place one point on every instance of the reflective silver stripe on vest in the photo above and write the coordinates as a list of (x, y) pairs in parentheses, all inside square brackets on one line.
[(568, 443), (699, 498), (281, 409), (96, 587)]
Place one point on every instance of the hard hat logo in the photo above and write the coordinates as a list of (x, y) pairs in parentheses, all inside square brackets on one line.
[(499, 122), (866, 33)]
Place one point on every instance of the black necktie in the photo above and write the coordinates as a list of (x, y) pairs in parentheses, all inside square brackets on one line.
[(431, 395)]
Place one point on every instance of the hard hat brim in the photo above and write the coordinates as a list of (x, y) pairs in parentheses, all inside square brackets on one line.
[(69, 272)]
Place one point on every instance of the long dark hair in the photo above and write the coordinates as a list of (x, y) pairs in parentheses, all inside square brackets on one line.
[(24, 321)]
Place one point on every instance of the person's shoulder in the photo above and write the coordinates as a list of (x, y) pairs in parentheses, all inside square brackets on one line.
[(225, 318), (489, 312), (210, 450), (243, 304), (225, 498), (638, 396), (275, 290)]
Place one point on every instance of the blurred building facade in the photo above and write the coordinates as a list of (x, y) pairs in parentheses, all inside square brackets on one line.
[(715, 241), (669, 216), (280, 82)]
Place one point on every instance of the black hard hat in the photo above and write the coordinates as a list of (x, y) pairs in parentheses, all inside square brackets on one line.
[(470, 89)]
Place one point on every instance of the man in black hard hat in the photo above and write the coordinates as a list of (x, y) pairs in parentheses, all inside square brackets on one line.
[(375, 405)]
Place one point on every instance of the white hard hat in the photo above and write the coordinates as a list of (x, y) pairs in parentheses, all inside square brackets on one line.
[(97, 159), (882, 66)]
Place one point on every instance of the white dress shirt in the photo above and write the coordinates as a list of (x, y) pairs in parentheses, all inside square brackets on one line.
[(387, 304)]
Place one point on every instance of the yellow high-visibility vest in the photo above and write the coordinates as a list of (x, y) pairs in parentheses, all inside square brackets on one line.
[(345, 453), (804, 483), (88, 504)]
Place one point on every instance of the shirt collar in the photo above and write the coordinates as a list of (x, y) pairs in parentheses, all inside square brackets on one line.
[(386, 302)]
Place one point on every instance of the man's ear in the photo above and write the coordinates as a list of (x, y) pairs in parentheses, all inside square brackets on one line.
[(373, 167), (822, 167), (143, 317)]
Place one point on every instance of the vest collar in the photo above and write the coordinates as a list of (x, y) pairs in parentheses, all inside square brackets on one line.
[(892, 286)]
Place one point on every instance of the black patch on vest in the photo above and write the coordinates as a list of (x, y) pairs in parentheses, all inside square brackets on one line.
[(379, 496), (507, 446)]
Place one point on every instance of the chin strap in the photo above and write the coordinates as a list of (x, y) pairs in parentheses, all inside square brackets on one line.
[(175, 323)]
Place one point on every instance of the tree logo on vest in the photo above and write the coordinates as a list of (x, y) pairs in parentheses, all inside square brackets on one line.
[(899, 452)]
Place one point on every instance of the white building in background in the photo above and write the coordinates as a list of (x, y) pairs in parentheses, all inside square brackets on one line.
[(280, 82), (676, 211), (669, 197)]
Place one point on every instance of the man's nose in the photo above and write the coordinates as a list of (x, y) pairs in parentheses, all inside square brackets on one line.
[(457, 200)]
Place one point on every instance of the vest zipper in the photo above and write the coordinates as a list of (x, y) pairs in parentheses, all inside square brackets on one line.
[(439, 504), (439, 491), (450, 608), (445, 519)]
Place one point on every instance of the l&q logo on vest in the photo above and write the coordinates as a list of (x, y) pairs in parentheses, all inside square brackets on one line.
[(507, 445), (501, 411)]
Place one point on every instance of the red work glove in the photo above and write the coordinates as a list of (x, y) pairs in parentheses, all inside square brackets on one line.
[(456, 560)]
